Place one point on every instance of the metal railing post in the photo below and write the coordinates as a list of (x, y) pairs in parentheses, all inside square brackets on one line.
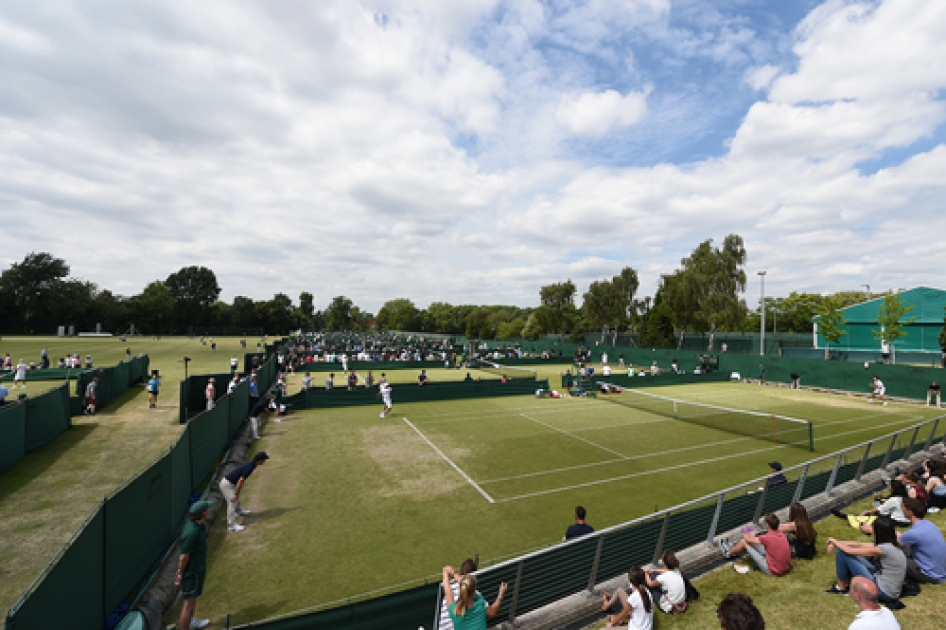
[(860, 469), (906, 454), (515, 595), (660, 539), (800, 488), (760, 506), (929, 440), (834, 474), (436, 624), (712, 530), (893, 440), (593, 578)]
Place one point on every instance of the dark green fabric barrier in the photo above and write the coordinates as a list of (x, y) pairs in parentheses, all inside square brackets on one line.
[(193, 399), (661, 380), (70, 595), (138, 528), (777, 497), (52, 374), (411, 609), (12, 435), (633, 546), (47, 416), (323, 399), (239, 406), (689, 527), (113, 381), (549, 577), (737, 511), (210, 432), (180, 476)]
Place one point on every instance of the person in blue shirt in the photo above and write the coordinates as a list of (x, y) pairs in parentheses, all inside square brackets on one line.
[(925, 543), (232, 484), (4, 392), (580, 528), (153, 386)]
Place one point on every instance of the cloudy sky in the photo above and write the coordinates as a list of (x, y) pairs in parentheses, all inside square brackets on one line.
[(473, 150)]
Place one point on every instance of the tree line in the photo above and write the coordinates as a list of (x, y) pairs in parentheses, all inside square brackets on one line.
[(704, 295)]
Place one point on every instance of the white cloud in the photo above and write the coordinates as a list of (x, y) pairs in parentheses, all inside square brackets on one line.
[(761, 77), (596, 113)]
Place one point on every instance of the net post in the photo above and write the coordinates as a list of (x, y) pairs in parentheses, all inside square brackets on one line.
[(590, 591), (906, 454), (660, 539), (929, 440), (811, 437), (761, 505), (515, 595), (834, 474), (800, 488), (860, 469), (712, 530), (774, 431)]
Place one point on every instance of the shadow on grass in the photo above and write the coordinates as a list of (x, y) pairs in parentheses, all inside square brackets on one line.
[(37, 462), (267, 514), (257, 612)]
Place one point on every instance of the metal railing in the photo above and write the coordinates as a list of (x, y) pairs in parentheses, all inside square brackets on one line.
[(609, 552)]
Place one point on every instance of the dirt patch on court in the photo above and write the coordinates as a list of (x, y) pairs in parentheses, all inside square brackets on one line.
[(411, 468)]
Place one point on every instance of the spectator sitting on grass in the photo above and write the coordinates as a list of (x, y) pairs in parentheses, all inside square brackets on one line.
[(801, 533), (873, 616), (469, 610), (770, 552), (580, 528), (737, 612), (667, 585), (891, 509), (853, 559), (924, 544), (915, 488), (636, 603)]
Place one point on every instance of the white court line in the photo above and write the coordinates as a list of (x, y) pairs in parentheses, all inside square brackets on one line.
[(449, 461), (671, 451), (580, 439)]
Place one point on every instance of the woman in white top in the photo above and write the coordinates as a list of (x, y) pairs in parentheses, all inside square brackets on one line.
[(637, 608), (20, 375)]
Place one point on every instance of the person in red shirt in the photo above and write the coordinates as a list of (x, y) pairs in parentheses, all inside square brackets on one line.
[(771, 551)]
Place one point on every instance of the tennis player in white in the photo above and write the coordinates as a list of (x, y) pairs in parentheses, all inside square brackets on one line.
[(384, 389), (879, 391)]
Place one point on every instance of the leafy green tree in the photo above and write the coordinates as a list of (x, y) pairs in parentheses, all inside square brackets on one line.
[(33, 285), (361, 320), (657, 330), (830, 320), (533, 328), (153, 308), (890, 317), (193, 290), (512, 329), (559, 298), (243, 312), (305, 311), (338, 314), (399, 314)]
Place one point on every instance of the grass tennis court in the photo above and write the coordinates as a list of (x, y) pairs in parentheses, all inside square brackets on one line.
[(350, 503)]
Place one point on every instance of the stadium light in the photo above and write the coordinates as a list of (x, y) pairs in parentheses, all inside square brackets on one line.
[(762, 340)]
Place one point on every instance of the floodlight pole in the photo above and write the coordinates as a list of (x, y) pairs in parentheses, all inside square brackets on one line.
[(762, 341)]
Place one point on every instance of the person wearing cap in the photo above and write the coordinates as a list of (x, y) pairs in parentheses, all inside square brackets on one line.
[(777, 478), (192, 565), (232, 484)]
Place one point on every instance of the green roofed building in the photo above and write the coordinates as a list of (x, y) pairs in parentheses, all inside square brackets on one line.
[(921, 336)]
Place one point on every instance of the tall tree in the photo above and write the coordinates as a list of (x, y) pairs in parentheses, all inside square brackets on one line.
[(193, 290), (559, 298), (338, 314), (890, 317), (306, 308), (153, 308), (33, 285), (830, 320), (399, 314), (243, 312)]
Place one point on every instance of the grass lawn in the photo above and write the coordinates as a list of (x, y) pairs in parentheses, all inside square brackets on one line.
[(51, 491), (351, 502), (798, 600)]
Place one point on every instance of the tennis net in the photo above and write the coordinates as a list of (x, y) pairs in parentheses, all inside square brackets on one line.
[(509, 371), (753, 424)]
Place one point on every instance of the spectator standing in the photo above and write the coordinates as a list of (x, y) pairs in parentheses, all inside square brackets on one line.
[(19, 375), (210, 393), (330, 382), (667, 585), (580, 528), (4, 392), (154, 388), (90, 397), (369, 380), (737, 612), (232, 484), (885, 351), (796, 380), (307, 381), (770, 552), (254, 387), (925, 544), (422, 378), (873, 616), (761, 374), (469, 610), (234, 362), (232, 385), (352, 380), (192, 564)]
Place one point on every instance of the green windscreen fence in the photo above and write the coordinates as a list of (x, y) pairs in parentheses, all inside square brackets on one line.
[(47, 417), (113, 381), (51, 374), (12, 435)]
